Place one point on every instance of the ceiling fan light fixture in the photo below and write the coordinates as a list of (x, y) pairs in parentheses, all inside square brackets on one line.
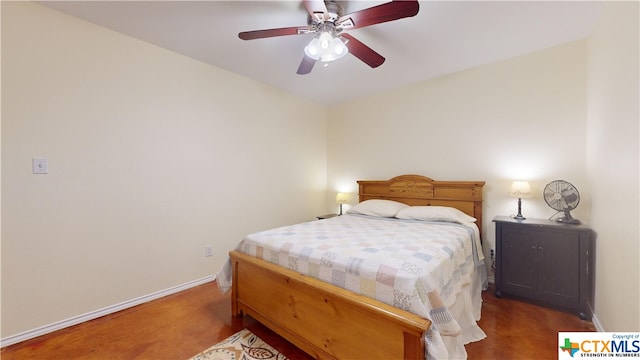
[(327, 20), (326, 47)]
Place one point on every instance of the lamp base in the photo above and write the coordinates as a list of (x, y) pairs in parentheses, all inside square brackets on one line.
[(519, 216)]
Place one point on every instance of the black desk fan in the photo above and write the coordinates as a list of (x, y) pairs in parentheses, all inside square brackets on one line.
[(563, 197)]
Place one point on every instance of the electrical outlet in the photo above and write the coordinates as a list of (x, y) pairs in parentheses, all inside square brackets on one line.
[(40, 166), (208, 250)]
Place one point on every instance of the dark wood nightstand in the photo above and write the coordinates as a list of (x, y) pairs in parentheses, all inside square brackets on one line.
[(547, 262), (326, 216)]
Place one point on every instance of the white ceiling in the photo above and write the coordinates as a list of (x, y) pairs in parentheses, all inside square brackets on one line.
[(445, 37)]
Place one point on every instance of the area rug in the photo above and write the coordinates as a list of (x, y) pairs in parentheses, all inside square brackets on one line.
[(243, 345)]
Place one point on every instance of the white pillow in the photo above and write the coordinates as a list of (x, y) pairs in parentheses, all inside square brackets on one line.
[(435, 213), (377, 207)]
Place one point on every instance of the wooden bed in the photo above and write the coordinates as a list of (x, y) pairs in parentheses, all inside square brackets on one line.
[(346, 325)]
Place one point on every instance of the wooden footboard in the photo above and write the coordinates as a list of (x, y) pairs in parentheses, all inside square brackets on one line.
[(325, 321)]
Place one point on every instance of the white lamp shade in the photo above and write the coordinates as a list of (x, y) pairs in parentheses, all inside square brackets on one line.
[(342, 198), (520, 189)]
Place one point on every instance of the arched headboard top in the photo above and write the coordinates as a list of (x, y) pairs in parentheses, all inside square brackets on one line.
[(415, 190)]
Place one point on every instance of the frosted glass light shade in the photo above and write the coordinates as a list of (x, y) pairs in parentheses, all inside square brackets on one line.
[(326, 48)]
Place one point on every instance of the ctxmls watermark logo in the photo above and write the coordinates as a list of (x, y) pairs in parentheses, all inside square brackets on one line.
[(573, 345)]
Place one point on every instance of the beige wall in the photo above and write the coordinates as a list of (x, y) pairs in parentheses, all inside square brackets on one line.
[(520, 119), (613, 164), (152, 156)]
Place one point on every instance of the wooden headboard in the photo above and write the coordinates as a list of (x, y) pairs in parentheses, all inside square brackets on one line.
[(420, 190)]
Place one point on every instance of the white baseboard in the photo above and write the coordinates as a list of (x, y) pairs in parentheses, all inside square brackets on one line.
[(30, 334), (596, 323)]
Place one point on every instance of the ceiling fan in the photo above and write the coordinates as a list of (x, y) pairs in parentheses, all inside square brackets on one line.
[(328, 22)]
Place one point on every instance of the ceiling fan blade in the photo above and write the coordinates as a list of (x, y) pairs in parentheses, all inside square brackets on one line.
[(317, 9), (363, 52), (306, 65), (260, 34), (390, 11)]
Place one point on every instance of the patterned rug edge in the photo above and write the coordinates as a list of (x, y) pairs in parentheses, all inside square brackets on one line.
[(241, 345)]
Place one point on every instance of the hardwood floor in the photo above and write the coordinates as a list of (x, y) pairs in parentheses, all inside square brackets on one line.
[(181, 325)]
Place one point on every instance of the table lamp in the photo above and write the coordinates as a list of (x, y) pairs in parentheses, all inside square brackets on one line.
[(342, 198), (520, 190)]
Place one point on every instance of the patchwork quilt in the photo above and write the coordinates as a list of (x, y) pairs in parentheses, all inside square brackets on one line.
[(413, 265)]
